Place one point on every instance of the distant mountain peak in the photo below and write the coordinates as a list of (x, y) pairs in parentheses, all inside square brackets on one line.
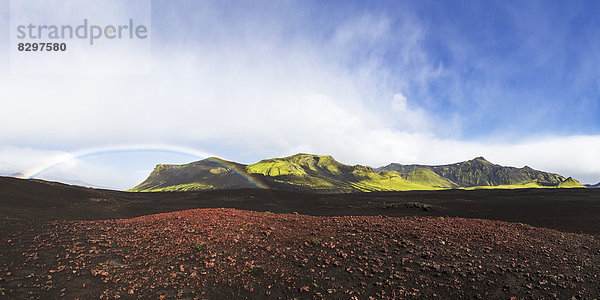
[(597, 185), (300, 164), (306, 156), (570, 183), (481, 172), (213, 158), (481, 159), (307, 159)]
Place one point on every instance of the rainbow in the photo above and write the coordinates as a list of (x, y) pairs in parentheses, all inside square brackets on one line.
[(230, 166), (66, 157)]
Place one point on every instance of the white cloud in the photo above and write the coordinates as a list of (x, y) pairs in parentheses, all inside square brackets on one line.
[(258, 94), (18, 161), (399, 102)]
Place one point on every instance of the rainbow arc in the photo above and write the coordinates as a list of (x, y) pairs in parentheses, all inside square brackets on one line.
[(66, 157)]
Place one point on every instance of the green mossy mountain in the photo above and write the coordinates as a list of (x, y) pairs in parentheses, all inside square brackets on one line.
[(206, 174), (426, 177), (570, 183), (480, 172), (323, 174)]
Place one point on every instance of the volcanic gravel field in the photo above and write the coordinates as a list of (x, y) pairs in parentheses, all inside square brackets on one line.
[(80, 243), (218, 253)]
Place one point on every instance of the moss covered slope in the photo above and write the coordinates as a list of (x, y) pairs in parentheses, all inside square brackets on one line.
[(480, 172), (570, 183), (208, 174), (322, 173), (325, 174), (428, 178)]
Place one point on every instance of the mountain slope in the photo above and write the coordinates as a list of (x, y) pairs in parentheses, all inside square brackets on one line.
[(426, 177), (323, 174), (207, 174), (480, 172), (298, 172), (570, 183)]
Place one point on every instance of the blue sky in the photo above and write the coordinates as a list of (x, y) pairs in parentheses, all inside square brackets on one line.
[(510, 68), (369, 82), (529, 67)]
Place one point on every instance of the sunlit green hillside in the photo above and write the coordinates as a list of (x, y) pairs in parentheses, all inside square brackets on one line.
[(323, 174)]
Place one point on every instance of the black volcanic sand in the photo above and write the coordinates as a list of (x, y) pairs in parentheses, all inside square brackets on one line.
[(60, 240), (568, 210)]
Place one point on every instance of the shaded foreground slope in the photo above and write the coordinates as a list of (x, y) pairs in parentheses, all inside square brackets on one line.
[(323, 174), (218, 253), (570, 210)]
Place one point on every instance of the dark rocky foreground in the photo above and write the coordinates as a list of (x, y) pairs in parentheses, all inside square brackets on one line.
[(569, 210), (219, 253), (85, 243)]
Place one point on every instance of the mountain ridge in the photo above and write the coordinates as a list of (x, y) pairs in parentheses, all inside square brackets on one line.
[(324, 174), (481, 172), (594, 186)]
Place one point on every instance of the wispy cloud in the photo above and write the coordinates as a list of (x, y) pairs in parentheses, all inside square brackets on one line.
[(261, 81)]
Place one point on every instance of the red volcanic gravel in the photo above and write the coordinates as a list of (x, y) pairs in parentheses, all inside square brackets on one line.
[(219, 253)]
